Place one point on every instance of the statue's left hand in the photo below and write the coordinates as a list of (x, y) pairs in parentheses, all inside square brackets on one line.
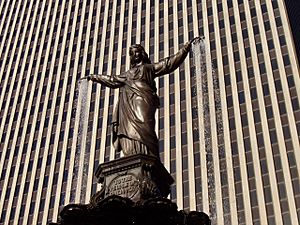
[(195, 40)]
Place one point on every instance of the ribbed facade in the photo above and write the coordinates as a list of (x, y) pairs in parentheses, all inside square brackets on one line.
[(228, 127)]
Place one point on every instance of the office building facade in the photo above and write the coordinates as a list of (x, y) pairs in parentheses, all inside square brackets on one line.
[(228, 124)]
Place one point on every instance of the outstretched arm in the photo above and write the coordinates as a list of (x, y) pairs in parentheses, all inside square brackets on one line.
[(112, 81), (171, 63)]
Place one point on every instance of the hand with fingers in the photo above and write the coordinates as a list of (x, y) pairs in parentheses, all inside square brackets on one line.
[(195, 40), (88, 78)]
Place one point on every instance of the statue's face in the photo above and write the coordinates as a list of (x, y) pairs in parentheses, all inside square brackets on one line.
[(136, 55)]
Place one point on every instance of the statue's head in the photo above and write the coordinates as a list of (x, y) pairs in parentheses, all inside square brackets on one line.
[(138, 54)]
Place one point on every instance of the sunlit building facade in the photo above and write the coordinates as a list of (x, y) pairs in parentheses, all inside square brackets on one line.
[(229, 118)]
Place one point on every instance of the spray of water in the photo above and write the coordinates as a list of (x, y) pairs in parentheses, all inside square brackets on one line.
[(83, 114), (200, 54)]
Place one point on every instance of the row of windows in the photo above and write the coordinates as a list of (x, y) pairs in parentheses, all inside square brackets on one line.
[(181, 41), (237, 172), (183, 116)]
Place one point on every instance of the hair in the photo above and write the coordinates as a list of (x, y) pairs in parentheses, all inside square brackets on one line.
[(145, 57)]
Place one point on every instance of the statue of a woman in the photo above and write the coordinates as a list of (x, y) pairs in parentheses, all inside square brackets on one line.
[(134, 117)]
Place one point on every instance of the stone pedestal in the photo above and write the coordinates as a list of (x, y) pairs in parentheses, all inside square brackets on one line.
[(138, 177), (134, 191)]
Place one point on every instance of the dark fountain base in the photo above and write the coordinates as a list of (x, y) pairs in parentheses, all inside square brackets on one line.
[(134, 192)]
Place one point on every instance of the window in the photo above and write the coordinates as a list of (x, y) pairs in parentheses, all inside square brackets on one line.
[(179, 6), (221, 24), (266, 90), (227, 80), (184, 138), (255, 30), (253, 12), (180, 22), (270, 44), (209, 11), (211, 28), (172, 99), (260, 140), (194, 112), (172, 120), (291, 82), (225, 60), (267, 25), (245, 33), (231, 20), (273, 136), (231, 124), (295, 104), (282, 108), (236, 56), (161, 123), (275, 4), (212, 45), (250, 72), (278, 85), (286, 60), (234, 148), (278, 22), (269, 112), (256, 116), (161, 145), (223, 41), (263, 8), (244, 120), (258, 48), (173, 142), (247, 52), (262, 68), (274, 64), (242, 16), (241, 97), (220, 8), (239, 76), (229, 101), (234, 38), (253, 93), (286, 132)]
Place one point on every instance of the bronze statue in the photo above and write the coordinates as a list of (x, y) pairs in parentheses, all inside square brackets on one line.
[(133, 120), (134, 188)]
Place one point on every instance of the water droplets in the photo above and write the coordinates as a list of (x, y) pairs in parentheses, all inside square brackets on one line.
[(83, 112), (208, 103)]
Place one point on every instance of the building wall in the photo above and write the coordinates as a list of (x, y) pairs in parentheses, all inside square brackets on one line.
[(229, 136)]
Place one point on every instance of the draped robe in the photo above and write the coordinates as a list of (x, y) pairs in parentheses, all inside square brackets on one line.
[(134, 115)]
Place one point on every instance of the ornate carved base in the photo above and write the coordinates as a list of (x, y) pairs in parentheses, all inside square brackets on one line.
[(134, 191), (136, 177)]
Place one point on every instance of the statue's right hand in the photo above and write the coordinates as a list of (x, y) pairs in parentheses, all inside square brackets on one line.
[(88, 78)]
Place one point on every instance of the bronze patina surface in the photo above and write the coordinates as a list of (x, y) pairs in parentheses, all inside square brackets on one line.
[(134, 117), (135, 187)]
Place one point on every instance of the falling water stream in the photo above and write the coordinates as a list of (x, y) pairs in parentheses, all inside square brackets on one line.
[(83, 114), (200, 54), (202, 71)]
